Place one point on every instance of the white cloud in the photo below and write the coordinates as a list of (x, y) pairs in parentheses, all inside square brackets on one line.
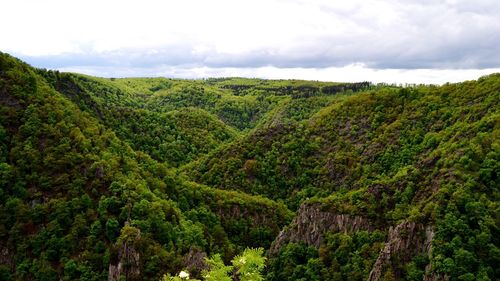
[(349, 73), (227, 34)]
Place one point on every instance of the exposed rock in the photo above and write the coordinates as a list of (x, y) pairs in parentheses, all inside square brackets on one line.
[(431, 276), (6, 256), (7, 99), (127, 263), (35, 202), (194, 261), (404, 242), (311, 223)]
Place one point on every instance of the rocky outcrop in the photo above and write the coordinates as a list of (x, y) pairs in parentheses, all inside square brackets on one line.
[(432, 276), (311, 223), (404, 242), (126, 265), (6, 256), (194, 261)]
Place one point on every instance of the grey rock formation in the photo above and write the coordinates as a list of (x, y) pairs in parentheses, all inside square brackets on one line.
[(404, 242), (194, 261), (6, 256), (127, 264), (311, 223)]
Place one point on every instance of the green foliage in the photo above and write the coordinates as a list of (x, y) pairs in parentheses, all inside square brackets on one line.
[(69, 185), (217, 270), (166, 165), (247, 266), (342, 257), (296, 261)]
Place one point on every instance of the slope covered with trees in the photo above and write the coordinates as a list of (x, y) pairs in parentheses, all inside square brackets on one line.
[(138, 178), (426, 154), (70, 187)]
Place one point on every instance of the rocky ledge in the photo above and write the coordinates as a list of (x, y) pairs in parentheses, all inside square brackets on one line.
[(311, 223)]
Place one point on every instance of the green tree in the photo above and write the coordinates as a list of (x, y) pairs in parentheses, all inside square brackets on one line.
[(250, 264), (217, 270), (247, 266)]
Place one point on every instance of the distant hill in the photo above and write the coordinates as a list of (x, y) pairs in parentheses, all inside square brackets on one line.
[(102, 179)]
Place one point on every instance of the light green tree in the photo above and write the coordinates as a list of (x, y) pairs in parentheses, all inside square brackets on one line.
[(250, 264), (217, 270), (247, 266)]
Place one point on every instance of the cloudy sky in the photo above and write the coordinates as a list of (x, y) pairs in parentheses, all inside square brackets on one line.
[(425, 41)]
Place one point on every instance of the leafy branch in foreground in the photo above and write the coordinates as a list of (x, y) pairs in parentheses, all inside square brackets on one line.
[(246, 267)]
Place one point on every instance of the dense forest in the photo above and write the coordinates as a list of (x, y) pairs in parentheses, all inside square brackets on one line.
[(246, 179)]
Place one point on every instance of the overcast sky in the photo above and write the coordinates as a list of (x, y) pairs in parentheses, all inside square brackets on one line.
[(426, 41)]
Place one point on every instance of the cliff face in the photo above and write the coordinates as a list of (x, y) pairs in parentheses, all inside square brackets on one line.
[(194, 261), (404, 242), (311, 223), (127, 264), (6, 256)]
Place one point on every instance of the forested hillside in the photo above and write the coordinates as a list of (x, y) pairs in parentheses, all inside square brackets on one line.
[(136, 178)]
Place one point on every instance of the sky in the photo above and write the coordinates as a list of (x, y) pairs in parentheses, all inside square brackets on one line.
[(426, 41)]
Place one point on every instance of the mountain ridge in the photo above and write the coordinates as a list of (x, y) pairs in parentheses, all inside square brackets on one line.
[(217, 165)]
